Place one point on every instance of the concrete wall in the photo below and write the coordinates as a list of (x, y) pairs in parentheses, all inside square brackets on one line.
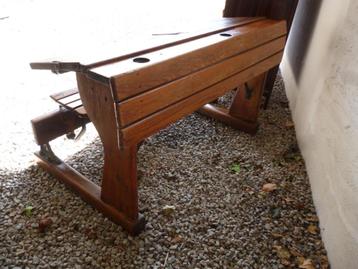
[(321, 80)]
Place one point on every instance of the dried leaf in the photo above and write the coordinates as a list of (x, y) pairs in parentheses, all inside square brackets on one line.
[(300, 260), (28, 211), (277, 235), (307, 264), (312, 229), (269, 187), (289, 124), (168, 210), (177, 239), (312, 218), (236, 168), (44, 224), (91, 233), (296, 252), (324, 262), (288, 200), (282, 252)]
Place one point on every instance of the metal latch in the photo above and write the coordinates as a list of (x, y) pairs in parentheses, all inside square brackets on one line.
[(72, 135)]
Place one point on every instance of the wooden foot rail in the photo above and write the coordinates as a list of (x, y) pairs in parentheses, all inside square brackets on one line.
[(131, 97), (89, 192)]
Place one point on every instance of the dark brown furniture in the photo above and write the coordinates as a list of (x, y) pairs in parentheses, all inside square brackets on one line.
[(272, 9), (130, 97)]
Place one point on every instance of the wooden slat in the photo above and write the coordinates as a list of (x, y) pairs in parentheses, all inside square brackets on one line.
[(147, 46), (148, 126), (74, 105), (222, 115), (91, 193), (149, 102), (113, 49), (60, 95), (168, 67), (70, 99)]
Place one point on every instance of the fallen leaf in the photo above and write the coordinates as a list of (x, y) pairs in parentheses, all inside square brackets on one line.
[(177, 239), (236, 168), (289, 124), (91, 233), (277, 235), (282, 252), (324, 262), (312, 218), (300, 260), (28, 211), (285, 262), (288, 200), (44, 224), (299, 205), (269, 187), (296, 252), (168, 210), (312, 229), (307, 264)]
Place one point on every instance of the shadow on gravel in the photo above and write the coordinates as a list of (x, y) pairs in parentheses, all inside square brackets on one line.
[(220, 216)]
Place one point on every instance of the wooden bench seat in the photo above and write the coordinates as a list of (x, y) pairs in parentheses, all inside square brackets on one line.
[(133, 96)]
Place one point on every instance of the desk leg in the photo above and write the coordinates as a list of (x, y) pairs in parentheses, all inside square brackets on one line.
[(119, 182), (119, 186), (125, 214), (244, 110)]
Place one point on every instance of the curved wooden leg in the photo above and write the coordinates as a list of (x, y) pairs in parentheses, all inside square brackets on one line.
[(113, 205), (119, 186), (244, 110), (119, 182)]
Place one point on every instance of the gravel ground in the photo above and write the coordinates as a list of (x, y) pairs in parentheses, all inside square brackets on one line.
[(200, 213)]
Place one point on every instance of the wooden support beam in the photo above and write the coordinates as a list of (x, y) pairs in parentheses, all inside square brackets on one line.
[(223, 115), (91, 193), (55, 124), (272, 9)]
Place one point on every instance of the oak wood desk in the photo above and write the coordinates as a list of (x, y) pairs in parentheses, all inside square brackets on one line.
[(131, 97)]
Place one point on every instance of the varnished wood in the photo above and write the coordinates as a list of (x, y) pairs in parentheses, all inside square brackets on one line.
[(244, 109), (91, 193), (149, 102), (55, 124), (148, 126), (223, 115), (273, 9), (247, 101), (187, 58), (119, 181), (98, 53), (128, 101)]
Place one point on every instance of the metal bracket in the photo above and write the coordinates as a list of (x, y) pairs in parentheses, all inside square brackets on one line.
[(47, 153), (73, 136), (59, 67)]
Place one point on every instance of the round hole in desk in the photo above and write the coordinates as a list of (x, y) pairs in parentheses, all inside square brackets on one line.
[(141, 60), (225, 34)]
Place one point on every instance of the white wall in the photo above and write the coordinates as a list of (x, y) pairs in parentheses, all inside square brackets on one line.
[(324, 103)]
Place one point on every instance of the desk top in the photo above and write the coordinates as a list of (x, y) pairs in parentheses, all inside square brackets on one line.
[(98, 54)]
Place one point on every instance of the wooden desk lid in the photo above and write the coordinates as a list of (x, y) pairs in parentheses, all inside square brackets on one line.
[(98, 54)]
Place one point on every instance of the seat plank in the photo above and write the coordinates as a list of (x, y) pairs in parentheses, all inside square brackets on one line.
[(148, 126), (151, 101), (63, 94)]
